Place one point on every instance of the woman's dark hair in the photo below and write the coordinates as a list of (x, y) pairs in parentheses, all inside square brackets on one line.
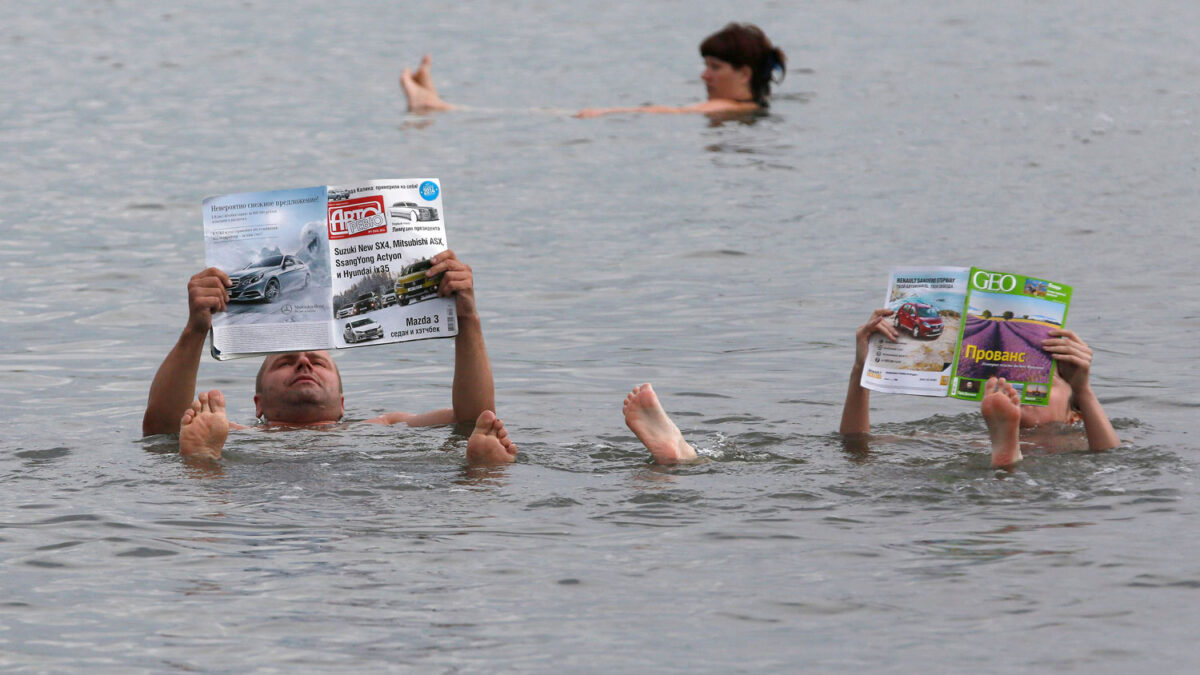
[(744, 44)]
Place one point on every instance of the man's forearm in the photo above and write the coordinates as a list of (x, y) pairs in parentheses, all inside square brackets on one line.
[(473, 390), (174, 385)]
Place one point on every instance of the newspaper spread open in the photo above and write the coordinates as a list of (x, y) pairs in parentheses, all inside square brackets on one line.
[(960, 326), (328, 267)]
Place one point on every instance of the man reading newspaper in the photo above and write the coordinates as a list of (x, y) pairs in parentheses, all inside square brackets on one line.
[(304, 389)]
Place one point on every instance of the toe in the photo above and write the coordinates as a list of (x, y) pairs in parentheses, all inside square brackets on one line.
[(484, 421)]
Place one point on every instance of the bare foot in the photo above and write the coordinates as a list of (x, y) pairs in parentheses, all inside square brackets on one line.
[(204, 427), (489, 442), (419, 90), (1001, 410), (650, 423)]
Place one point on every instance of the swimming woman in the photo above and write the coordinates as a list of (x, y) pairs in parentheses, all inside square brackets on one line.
[(740, 64)]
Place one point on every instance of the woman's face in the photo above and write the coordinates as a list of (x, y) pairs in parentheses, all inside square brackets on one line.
[(723, 81)]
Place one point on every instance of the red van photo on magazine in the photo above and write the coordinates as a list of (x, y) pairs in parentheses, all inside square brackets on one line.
[(918, 318)]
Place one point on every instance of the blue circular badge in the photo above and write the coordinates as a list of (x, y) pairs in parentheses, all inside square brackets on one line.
[(429, 190)]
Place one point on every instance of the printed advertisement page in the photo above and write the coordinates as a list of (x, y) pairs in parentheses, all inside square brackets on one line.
[(927, 304), (1007, 317), (274, 247), (382, 234)]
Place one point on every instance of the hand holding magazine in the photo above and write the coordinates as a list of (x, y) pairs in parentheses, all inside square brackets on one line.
[(328, 267), (959, 326)]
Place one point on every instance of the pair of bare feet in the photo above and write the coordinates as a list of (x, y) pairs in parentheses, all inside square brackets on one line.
[(419, 90), (644, 414), (204, 428), (1001, 410)]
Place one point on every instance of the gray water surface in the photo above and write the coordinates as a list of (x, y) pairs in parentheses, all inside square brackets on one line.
[(728, 263)]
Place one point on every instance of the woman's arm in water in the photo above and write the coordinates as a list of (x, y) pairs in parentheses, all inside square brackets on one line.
[(716, 106), (856, 413)]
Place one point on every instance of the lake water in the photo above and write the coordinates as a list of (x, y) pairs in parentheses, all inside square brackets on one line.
[(727, 263)]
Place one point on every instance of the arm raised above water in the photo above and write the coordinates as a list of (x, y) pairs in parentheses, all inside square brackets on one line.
[(1074, 359), (473, 390), (174, 385), (856, 413)]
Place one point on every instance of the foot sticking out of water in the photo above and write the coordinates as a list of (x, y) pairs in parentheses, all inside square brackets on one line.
[(649, 422), (1001, 410), (419, 90), (489, 442), (204, 427)]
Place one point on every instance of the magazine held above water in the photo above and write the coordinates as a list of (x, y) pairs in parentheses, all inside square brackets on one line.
[(328, 267), (960, 326)]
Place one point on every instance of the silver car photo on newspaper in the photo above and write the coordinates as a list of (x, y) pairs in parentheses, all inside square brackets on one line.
[(411, 212), (265, 279), (362, 329)]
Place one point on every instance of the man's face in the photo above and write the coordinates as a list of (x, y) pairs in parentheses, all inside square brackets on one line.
[(299, 388)]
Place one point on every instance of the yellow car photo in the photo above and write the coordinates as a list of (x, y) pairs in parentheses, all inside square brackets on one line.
[(413, 286)]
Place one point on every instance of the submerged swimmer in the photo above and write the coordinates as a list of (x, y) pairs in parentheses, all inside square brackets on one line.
[(304, 389), (1071, 397), (739, 66)]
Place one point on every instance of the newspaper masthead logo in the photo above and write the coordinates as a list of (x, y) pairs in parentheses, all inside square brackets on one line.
[(356, 217)]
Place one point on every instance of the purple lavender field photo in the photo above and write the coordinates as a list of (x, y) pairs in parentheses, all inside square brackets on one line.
[(1008, 335)]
